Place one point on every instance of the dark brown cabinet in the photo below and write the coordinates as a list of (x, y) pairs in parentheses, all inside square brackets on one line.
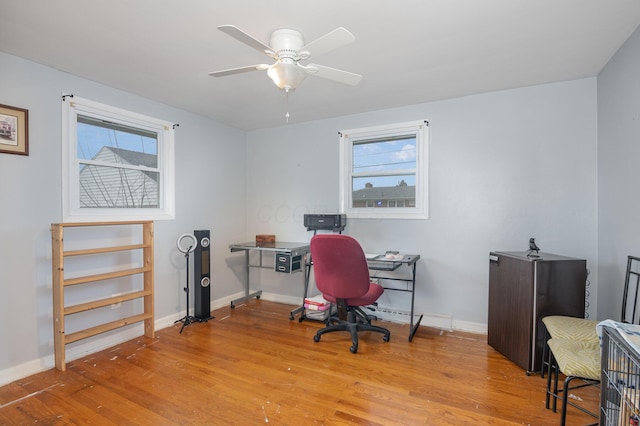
[(522, 291)]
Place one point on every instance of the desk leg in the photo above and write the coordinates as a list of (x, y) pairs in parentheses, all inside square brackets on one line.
[(300, 309), (247, 280), (413, 329)]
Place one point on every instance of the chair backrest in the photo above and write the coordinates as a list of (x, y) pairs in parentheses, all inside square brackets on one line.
[(630, 311), (339, 265)]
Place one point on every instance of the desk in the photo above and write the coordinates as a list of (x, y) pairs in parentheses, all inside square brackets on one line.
[(288, 248), (379, 265), (382, 264), (376, 265)]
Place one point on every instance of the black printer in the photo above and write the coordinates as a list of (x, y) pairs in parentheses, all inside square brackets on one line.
[(325, 222)]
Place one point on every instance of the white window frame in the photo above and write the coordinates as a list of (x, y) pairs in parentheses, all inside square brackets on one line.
[(71, 210), (347, 138)]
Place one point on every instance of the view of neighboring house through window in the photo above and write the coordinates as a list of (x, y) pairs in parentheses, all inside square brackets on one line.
[(118, 164), (383, 171)]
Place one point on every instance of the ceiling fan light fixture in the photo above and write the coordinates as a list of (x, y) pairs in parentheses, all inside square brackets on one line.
[(287, 47), (287, 76)]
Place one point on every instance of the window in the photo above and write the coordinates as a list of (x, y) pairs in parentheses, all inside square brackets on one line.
[(117, 165), (383, 171)]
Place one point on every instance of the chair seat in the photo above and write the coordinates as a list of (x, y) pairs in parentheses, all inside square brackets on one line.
[(575, 358), (374, 292), (571, 328)]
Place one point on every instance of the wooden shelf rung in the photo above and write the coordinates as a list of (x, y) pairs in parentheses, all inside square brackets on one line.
[(82, 307), (106, 276), (83, 334), (108, 223), (105, 249)]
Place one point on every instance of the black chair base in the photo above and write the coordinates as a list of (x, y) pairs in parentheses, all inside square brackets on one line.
[(355, 322)]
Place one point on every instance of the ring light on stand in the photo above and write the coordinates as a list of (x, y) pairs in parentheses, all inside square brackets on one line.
[(187, 319), (191, 248)]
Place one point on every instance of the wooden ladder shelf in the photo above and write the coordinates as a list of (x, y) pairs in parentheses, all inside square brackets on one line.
[(60, 310)]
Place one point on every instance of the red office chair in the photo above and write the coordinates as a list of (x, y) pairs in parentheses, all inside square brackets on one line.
[(342, 276)]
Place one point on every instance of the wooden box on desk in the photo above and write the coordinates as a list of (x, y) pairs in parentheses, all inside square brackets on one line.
[(265, 240)]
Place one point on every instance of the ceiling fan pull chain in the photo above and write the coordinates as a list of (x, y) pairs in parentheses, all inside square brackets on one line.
[(287, 115)]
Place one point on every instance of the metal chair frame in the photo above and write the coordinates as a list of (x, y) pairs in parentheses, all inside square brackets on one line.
[(548, 359), (554, 374)]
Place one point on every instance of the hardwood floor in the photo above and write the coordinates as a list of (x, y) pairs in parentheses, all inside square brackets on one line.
[(252, 365)]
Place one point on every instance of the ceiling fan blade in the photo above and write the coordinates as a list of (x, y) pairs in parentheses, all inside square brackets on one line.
[(334, 74), (330, 41), (245, 38), (231, 71)]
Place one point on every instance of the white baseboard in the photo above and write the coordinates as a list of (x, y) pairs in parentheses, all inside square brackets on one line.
[(99, 343), (470, 327), (440, 321), (278, 298)]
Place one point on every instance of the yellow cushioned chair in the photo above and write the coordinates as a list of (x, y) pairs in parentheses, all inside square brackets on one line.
[(574, 347), (570, 328), (584, 330), (578, 361)]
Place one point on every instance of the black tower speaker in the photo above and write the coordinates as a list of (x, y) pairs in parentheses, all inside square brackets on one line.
[(202, 276)]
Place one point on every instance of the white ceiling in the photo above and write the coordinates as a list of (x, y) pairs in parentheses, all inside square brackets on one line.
[(409, 51)]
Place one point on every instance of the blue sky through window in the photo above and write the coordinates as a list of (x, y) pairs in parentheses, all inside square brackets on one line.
[(92, 138), (383, 156)]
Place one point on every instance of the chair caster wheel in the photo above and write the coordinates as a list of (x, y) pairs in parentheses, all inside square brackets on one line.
[(353, 349), (291, 318), (316, 338), (385, 338)]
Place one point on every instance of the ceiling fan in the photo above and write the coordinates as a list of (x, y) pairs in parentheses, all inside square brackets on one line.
[(288, 48)]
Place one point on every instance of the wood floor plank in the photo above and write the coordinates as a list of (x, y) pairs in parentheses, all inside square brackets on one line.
[(252, 365)]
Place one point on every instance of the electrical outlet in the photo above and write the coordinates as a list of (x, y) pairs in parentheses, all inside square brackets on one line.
[(116, 305)]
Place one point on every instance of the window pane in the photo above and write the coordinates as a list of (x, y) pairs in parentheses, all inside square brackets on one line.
[(115, 187), (118, 165), (116, 143), (384, 191), (384, 171), (384, 155)]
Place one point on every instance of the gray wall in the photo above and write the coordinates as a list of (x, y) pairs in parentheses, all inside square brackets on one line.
[(210, 194), (618, 172), (505, 166)]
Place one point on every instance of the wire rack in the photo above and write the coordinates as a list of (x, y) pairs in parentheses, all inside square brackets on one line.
[(620, 385)]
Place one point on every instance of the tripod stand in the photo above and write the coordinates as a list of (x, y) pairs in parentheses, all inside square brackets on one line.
[(187, 319)]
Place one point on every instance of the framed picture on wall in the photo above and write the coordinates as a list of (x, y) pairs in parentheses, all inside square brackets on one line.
[(14, 130)]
